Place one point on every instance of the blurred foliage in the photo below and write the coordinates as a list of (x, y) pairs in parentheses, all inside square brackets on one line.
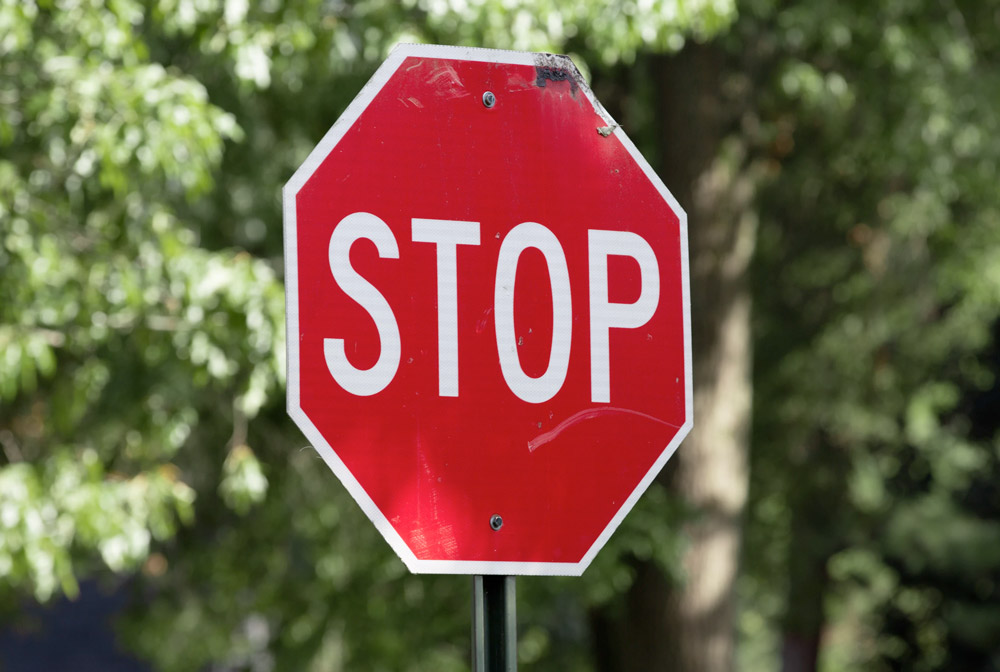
[(877, 298), (118, 330), (142, 147)]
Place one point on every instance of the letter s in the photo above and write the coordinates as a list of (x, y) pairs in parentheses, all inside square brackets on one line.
[(363, 382)]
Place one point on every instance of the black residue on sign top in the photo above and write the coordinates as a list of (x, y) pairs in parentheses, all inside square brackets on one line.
[(555, 68)]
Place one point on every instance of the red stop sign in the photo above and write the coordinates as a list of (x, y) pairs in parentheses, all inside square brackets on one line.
[(488, 329)]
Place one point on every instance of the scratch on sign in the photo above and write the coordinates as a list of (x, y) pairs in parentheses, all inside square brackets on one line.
[(587, 414)]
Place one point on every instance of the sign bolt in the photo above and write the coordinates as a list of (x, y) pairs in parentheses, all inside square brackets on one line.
[(496, 522), (489, 100)]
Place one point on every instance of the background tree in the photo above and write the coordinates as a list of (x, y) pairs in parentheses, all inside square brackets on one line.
[(877, 296)]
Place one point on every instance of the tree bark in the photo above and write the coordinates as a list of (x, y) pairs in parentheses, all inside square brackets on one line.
[(807, 580), (690, 627), (805, 615), (817, 504)]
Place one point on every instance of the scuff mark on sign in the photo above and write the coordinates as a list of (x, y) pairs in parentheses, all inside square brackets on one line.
[(446, 80), (588, 414), (410, 101), (557, 68), (481, 323)]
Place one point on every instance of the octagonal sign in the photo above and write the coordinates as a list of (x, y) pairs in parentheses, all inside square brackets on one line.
[(488, 313)]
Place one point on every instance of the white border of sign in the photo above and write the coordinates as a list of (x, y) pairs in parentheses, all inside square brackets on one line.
[(291, 190)]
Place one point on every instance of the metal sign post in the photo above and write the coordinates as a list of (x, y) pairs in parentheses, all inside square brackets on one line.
[(494, 624)]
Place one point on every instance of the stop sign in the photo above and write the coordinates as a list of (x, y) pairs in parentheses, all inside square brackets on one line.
[(488, 313)]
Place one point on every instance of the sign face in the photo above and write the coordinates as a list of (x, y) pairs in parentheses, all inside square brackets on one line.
[(488, 313)]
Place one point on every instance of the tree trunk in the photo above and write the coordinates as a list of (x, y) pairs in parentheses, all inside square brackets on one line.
[(817, 503), (691, 627), (807, 579)]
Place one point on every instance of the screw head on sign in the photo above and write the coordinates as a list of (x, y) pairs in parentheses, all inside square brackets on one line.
[(496, 522), (489, 100)]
